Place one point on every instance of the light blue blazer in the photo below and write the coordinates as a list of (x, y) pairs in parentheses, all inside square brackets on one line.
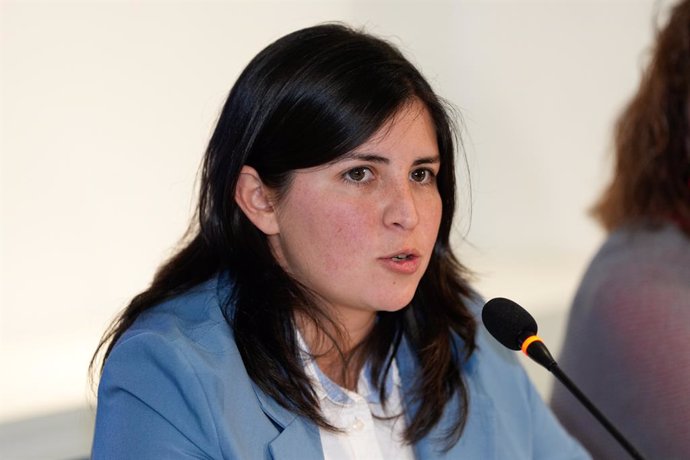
[(175, 386)]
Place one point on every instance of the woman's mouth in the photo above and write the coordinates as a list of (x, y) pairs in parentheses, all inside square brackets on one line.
[(404, 262)]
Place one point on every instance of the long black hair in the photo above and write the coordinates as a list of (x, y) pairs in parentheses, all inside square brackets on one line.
[(305, 100)]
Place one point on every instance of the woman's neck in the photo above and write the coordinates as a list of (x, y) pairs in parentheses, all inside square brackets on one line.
[(335, 346)]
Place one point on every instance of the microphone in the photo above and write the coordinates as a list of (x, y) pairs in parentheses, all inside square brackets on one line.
[(516, 329)]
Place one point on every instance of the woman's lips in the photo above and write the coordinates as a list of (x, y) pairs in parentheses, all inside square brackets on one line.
[(406, 263)]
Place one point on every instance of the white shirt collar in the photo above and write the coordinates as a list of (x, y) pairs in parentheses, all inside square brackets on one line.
[(326, 388)]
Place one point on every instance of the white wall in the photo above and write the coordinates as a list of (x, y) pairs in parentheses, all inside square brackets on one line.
[(107, 106)]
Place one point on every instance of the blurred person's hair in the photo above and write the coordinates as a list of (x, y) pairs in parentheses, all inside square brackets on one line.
[(651, 180)]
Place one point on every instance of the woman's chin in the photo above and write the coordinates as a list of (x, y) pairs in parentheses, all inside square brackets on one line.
[(397, 304)]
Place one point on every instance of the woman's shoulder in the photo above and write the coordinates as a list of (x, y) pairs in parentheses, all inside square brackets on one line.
[(194, 317), (176, 372), (184, 335), (177, 340)]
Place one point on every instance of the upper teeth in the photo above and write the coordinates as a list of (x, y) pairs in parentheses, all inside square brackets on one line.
[(400, 256)]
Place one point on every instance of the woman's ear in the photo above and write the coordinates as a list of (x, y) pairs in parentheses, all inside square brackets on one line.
[(254, 198)]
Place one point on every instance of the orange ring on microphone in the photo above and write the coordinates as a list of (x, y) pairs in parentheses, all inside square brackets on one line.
[(528, 341)]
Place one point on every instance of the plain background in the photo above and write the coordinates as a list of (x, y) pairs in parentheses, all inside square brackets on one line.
[(107, 107)]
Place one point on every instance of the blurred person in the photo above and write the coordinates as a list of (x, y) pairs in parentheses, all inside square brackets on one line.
[(627, 342), (316, 309)]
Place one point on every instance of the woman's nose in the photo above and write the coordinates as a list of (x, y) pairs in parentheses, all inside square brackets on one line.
[(400, 207)]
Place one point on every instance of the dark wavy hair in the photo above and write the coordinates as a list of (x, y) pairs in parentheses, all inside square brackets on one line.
[(651, 180), (306, 100)]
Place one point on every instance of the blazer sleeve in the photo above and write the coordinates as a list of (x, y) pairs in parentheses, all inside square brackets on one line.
[(151, 404)]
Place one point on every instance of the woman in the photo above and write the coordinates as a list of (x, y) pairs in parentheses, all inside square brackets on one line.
[(627, 340), (316, 310)]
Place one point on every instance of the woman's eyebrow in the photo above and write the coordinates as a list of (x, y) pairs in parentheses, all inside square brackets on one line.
[(373, 158), (427, 160)]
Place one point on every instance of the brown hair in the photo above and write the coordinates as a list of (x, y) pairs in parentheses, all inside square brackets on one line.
[(652, 138)]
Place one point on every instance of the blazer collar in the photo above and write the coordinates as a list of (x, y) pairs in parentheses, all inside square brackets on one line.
[(299, 437)]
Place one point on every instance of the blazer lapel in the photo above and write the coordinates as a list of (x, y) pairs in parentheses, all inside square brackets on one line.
[(297, 439)]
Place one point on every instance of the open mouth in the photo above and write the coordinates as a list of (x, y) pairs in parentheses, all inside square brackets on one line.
[(404, 262)]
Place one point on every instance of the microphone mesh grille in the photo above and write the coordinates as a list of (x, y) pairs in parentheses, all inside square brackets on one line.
[(508, 322)]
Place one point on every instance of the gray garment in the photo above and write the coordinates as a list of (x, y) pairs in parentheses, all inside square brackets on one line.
[(627, 346)]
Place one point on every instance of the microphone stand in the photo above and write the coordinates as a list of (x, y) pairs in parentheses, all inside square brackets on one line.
[(560, 375), (539, 353)]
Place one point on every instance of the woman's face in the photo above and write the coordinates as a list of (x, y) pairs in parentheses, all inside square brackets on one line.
[(359, 232)]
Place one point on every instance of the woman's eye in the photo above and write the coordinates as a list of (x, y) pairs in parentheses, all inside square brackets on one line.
[(422, 176), (358, 174)]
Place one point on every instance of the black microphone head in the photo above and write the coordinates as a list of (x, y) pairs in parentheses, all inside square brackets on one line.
[(508, 322)]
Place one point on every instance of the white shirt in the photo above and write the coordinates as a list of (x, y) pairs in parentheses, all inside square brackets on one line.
[(363, 436)]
